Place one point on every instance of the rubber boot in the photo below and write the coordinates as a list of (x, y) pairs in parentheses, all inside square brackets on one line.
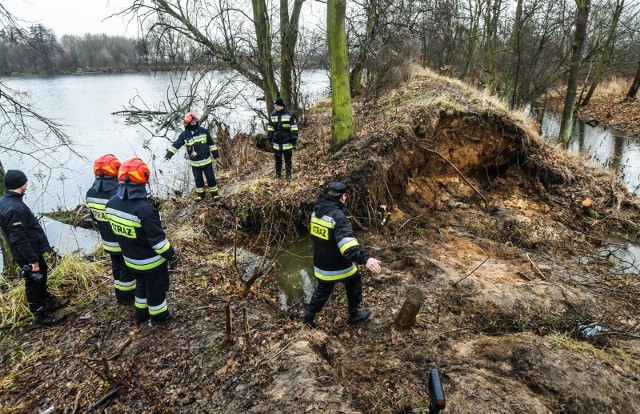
[(308, 320), (45, 318), (358, 316), (55, 303), (157, 322)]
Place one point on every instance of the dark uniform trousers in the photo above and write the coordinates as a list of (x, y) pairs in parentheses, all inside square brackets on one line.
[(287, 161), (36, 292), (151, 293), (123, 278), (353, 285), (207, 171)]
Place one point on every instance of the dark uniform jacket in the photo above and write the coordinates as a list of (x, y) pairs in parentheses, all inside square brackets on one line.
[(282, 129), (27, 240), (137, 227), (335, 247), (102, 190), (200, 145)]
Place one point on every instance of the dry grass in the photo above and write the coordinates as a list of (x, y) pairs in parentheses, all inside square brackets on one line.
[(70, 275), (613, 88)]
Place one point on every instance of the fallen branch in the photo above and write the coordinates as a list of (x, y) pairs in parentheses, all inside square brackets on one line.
[(104, 398), (536, 268), (459, 173)]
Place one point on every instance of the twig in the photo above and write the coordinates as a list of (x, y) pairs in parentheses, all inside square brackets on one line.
[(104, 398), (519, 273), (537, 269), (247, 336), (98, 373), (486, 204), (76, 403), (263, 360), (124, 343), (446, 295)]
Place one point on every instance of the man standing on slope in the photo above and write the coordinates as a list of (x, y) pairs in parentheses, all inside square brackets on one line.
[(283, 136), (200, 147), (28, 243), (105, 169), (335, 249), (145, 248)]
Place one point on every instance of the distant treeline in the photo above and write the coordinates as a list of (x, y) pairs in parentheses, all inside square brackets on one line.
[(38, 50)]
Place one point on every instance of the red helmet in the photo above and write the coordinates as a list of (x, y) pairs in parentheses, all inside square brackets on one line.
[(190, 116), (106, 164), (134, 170)]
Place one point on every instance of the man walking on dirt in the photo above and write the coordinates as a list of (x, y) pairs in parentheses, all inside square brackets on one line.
[(200, 147), (283, 136), (105, 169), (28, 243), (335, 249)]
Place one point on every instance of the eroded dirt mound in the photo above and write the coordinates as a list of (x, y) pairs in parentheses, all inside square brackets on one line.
[(459, 199)]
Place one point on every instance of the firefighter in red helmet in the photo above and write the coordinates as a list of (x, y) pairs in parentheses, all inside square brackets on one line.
[(200, 149), (145, 248), (105, 169)]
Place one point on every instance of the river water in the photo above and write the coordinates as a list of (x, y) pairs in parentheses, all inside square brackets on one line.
[(84, 104)]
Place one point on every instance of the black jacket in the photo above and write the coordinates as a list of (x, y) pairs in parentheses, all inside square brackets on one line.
[(335, 247), (200, 146), (26, 238), (137, 227), (102, 190), (283, 129)]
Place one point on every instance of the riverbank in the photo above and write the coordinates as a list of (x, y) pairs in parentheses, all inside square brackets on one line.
[(459, 198), (608, 108)]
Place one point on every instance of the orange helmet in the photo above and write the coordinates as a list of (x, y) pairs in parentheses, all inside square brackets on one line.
[(190, 116), (134, 170), (106, 164)]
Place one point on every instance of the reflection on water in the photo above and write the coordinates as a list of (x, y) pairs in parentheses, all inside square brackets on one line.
[(604, 147), (295, 273), (614, 151)]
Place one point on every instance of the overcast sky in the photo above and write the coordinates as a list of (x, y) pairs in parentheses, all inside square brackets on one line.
[(75, 17)]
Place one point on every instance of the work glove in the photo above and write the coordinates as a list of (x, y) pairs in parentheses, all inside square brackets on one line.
[(173, 261)]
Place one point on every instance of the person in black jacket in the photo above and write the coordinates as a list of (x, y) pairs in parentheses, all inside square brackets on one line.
[(335, 249), (105, 169), (145, 248), (283, 136), (28, 243), (200, 147)]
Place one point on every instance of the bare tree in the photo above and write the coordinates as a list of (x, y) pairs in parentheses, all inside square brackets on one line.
[(582, 18)]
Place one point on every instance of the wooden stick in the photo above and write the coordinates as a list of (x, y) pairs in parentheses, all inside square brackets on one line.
[(247, 337), (104, 398), (76, 403), (98, 373), (227, 330), (486, 204), (536, 268)]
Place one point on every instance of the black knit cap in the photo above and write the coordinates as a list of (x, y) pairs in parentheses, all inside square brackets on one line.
[(279, 101), (14, 179), (339, 187)]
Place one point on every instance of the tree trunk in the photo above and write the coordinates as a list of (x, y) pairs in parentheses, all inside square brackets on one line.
[(607, 52), (635, 85), (359, 63), (490, 47), (342, 113), (515, 55), (263, 37), (288, 39), (473, 41), (407, 316), (574, 70)]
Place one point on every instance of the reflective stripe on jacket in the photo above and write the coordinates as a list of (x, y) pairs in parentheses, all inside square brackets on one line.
[(283, 129), (335, 247), (137, 227), (200, 145), (97, 197)]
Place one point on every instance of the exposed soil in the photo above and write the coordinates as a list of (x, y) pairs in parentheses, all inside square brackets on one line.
[(499, 245)]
